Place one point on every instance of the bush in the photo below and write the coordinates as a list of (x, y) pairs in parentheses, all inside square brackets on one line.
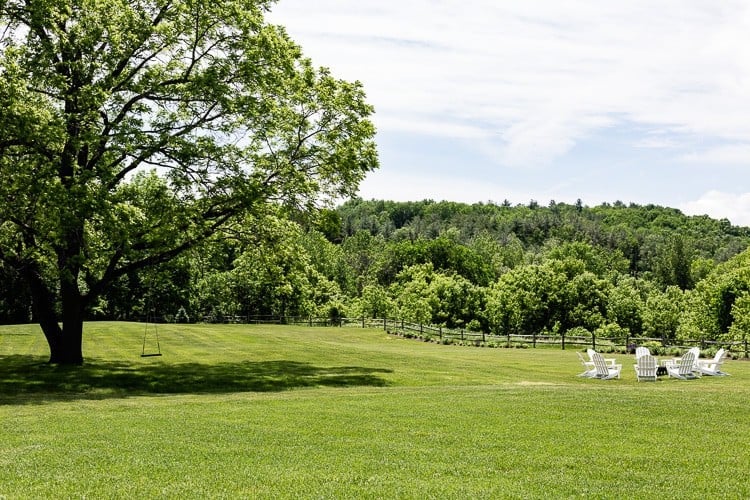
[(181, 316), (611, 331), (474, 326), (578, 331), (656, 348)]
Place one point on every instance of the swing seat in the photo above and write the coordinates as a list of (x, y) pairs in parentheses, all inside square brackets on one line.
[(150, 355)]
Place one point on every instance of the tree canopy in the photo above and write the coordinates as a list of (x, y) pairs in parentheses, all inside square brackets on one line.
[(130, 131)]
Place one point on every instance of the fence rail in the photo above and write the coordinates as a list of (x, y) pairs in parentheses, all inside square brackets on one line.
[(452, 335), (507, 340)]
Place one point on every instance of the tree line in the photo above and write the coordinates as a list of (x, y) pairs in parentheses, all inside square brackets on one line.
[(611, 270)]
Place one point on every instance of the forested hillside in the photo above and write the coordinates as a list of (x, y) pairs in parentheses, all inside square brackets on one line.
[(609, 269)]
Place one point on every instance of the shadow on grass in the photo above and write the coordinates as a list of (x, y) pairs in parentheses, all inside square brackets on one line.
[(30, 379)]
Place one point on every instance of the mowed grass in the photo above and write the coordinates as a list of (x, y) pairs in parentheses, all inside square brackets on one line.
[(238, 411)]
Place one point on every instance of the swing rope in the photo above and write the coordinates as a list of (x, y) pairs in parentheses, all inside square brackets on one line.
[(144, 354)]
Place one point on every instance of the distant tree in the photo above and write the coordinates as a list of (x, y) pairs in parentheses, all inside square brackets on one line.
[(329, 223), (426, 295), (361, 252), (710, 311), (626, 301), (594, 259), (525, 300), (663, 312), (673, 264), (375, 302), (740, 328), (275, 275), (500, 255), (222, 106)]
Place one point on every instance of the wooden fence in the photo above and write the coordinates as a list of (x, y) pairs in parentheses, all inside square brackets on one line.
[(449, 335), (563, 341)]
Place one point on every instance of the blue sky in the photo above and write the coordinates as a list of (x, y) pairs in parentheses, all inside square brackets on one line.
[(486, 100)]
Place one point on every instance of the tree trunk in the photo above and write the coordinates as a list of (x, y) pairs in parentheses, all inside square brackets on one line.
[(67, 349), (65, 341)]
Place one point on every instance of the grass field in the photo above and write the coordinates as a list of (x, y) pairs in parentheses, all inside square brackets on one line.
[(237, 411)]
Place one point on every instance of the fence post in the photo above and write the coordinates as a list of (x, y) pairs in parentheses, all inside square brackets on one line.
[(385, 323), (533, 339), (746, 348), (440, 332), (363, 321), (563, 341), (593, 341), (484, 338)]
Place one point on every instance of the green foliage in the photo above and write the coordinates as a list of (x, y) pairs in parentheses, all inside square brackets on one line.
[(181, 316), (740, 327), (626, 303), (374, 302), (578, 331), (663, 313), (656, 348), (594, 259), (611, 330), (712, 312), (556, 295), (521, 302)]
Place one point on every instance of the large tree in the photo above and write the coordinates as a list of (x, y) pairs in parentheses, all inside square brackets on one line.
[(220, 106)]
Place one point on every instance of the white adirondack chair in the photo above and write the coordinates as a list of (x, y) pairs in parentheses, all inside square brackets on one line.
[(640, 351), (712, 366), (684, 367), (609, 361), (589, 370), (645, 367), (604, 371), (697, 352)]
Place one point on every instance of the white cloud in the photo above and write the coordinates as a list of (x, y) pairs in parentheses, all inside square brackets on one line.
[(736, 154), (538, 76), (716, 204), (655, 142)]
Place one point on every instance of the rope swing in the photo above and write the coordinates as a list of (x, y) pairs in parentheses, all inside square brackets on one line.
[(154, 331)]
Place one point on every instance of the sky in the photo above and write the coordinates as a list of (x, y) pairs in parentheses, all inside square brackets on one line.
[(639, 101)]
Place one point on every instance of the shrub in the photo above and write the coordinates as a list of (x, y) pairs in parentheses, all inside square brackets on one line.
[(611, 330), (474, 325), (578, 331), (181, 316)]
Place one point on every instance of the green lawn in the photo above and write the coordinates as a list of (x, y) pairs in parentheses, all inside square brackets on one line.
[(237, 411)]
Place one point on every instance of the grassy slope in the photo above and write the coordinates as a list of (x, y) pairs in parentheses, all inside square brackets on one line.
[(269, 411)]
